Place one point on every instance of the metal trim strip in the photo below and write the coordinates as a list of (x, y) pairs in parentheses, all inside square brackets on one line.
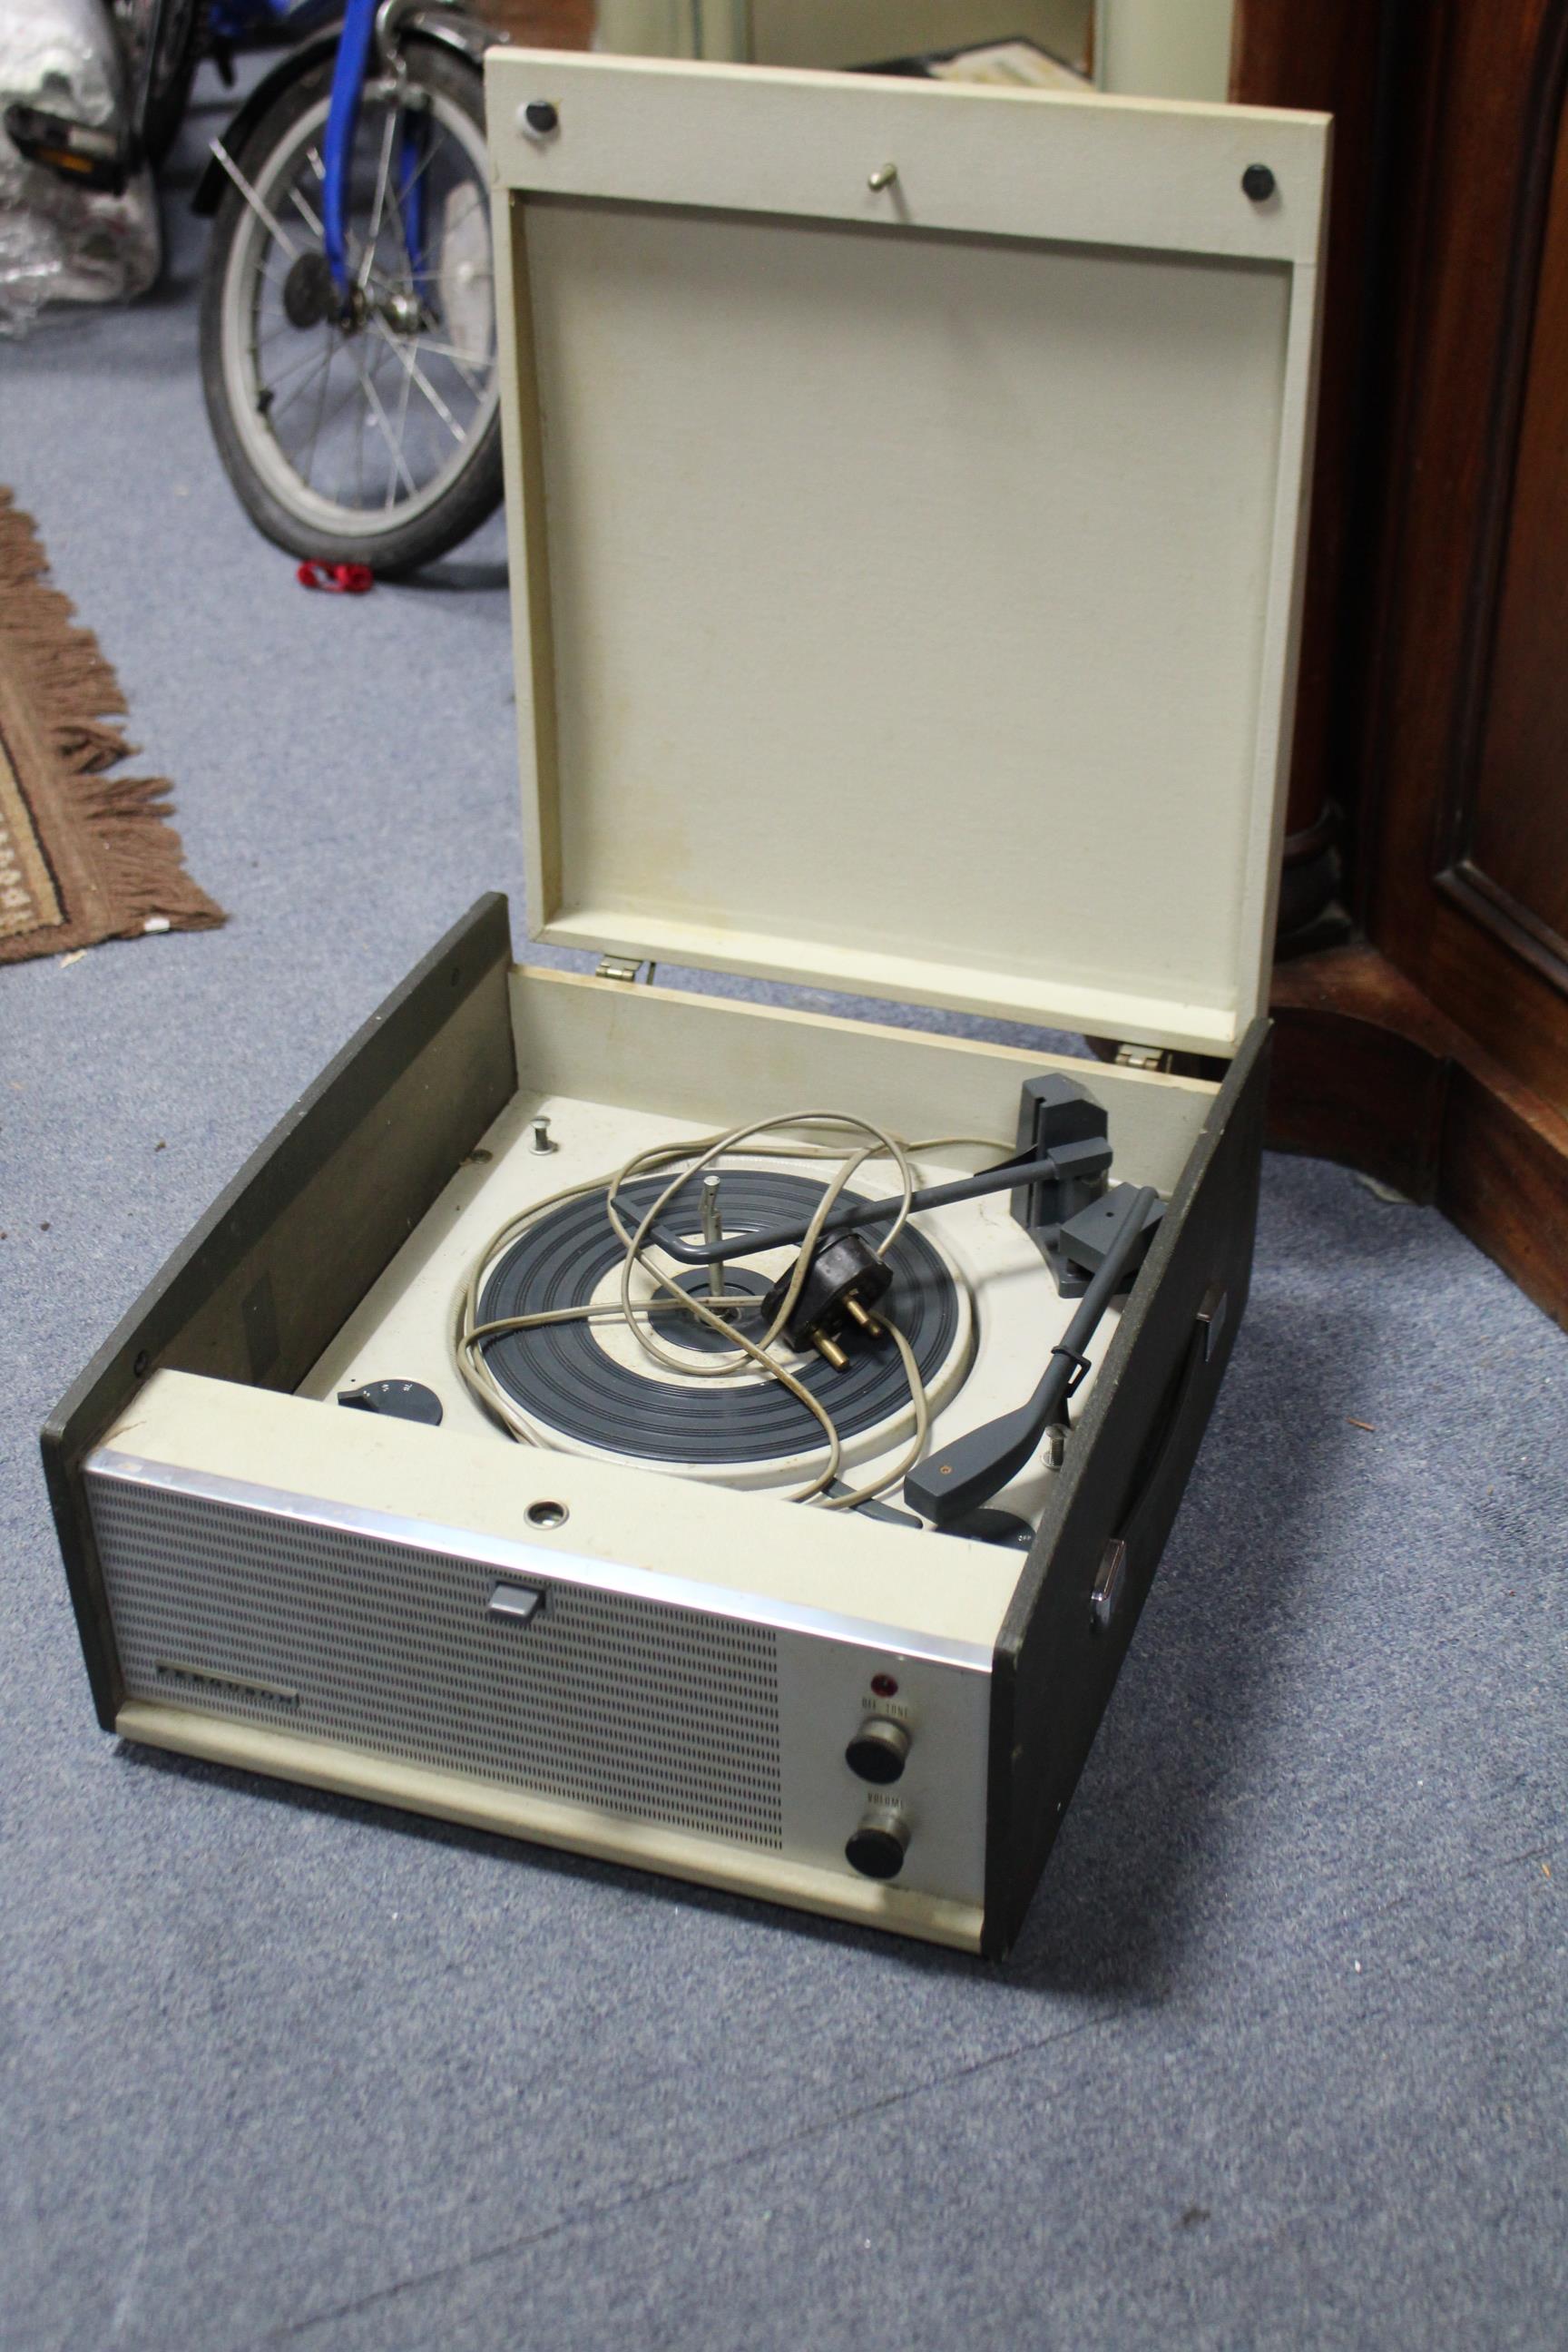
[(537, 1561)]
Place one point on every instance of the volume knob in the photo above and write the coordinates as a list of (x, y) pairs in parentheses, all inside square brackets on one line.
[(878, 1847), (880, 1750)]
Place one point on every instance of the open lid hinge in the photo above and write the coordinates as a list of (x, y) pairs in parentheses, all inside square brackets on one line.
[(1131, 1055), (625, 969)]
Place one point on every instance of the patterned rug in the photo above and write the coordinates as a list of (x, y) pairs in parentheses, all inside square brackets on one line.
[(84, 855)]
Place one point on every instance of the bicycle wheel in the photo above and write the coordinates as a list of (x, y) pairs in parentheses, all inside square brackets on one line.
[(365, 430)]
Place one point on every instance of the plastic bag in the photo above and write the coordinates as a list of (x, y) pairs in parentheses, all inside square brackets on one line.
[(61, 242)]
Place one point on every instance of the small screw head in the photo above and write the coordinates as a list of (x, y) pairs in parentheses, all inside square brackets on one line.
[(1258, 182), (542, 117)]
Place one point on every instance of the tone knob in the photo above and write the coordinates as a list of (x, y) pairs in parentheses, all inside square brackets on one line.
[(879, 1750), (878, 1847)]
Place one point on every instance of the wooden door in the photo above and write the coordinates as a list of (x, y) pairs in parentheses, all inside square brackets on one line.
[(1433, 1046), (1493, 940)]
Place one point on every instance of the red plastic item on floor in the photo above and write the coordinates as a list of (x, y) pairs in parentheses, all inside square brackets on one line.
[(337, 579)]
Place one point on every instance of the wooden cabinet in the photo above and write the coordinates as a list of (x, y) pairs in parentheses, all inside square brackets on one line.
[(1430, 1042), (542, 23)]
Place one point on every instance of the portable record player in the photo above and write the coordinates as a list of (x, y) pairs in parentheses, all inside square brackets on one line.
[(549, 1428)]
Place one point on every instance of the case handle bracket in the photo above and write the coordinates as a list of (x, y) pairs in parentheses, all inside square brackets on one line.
[(1113, 1577)]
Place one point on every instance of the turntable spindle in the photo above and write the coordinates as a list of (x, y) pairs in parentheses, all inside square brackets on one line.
[(712, 1234)]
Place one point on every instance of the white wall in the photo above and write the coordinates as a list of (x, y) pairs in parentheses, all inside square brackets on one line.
[(1165, 48), (858, 32), (1147, 48), (835, 32)]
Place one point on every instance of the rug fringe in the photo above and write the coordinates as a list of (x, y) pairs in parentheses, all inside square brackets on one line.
[(74, 693), (130, 818)]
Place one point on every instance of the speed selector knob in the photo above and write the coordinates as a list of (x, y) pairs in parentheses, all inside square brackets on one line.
[(880, 1750), (878, 1847)]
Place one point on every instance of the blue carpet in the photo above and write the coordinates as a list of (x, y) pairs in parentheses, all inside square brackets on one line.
[(1280, 2059)]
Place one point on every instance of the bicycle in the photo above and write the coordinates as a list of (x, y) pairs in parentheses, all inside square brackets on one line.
[(348, 335), (162, 42)]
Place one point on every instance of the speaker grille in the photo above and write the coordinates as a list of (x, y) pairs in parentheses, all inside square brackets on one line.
[(660, 1714)]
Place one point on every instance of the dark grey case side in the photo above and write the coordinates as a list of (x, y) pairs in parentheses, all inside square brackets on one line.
[(288, 1251), (1094, 1558)]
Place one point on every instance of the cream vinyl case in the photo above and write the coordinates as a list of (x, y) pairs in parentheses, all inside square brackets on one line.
[(721, 1436)]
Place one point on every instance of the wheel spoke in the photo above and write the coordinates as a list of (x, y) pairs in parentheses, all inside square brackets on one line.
[(442, 137), (276, 408), (336, 412), (416, 375), (312, 357), (383, 181), (309, 218), (461, 361), (316, 428), (251, 198), (381, 418), (407, 387), (400, 196), (403, 234)]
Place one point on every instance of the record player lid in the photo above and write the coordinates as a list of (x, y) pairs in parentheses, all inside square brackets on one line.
[(906, 569)]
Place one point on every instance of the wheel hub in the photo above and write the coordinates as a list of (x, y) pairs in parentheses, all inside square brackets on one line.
[(404, 313)]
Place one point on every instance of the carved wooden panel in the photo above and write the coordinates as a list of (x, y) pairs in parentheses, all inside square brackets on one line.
[(1512, 834), (1465, 815)]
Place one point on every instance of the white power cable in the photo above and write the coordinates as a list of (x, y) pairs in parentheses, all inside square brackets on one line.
[(690, 1161)]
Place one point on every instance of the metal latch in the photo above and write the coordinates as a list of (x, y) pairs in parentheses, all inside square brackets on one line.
[(1109, 1584), (622, 967)]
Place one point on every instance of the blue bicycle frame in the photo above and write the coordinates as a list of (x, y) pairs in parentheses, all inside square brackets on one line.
[(356, 55), (237, 20)]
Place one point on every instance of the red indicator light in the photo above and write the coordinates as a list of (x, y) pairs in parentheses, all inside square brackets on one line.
[(885, 1685)]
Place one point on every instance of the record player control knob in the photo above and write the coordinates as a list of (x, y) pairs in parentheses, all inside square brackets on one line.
[(878, 1847), (880, 1750)]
